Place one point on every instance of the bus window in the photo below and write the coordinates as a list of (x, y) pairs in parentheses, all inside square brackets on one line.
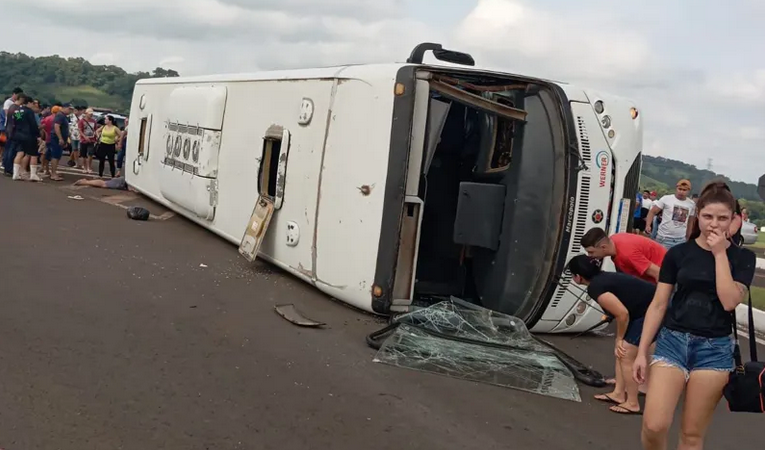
[(273, 164)]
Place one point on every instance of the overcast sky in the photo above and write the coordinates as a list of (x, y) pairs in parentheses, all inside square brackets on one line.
[(695, 68)]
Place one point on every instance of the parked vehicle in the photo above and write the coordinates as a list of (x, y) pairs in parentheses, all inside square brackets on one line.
[(749, 232)]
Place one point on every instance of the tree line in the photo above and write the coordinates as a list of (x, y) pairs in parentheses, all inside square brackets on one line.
[(44, 76), (661, 174)]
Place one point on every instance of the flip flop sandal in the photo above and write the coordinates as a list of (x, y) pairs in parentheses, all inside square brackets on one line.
[(624, 411), (607, 399)]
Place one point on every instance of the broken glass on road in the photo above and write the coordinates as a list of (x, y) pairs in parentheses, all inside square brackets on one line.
[(461, 340)]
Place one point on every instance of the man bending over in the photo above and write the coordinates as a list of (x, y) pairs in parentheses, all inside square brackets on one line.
[(632, 254)]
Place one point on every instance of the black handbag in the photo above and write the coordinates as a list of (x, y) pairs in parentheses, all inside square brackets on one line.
[(745, 391)]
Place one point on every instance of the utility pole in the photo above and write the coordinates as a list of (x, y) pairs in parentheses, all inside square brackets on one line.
[(709, 164)]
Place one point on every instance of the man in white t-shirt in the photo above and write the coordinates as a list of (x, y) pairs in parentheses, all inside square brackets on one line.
[(11, 100), (675, 211)]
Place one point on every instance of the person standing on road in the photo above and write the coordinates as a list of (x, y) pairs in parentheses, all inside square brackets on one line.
[(74, 137), (734, 231), (122, 147), (26, 134), (108, 136), (87, 127), (635, 255), (10, 151), (58, 140), (626, 299), (675, 211), (707, 277)]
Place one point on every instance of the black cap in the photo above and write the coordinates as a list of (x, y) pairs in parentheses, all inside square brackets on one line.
[(66, 105)]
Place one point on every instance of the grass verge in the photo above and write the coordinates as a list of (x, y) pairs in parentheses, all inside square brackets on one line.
[(758, 298)]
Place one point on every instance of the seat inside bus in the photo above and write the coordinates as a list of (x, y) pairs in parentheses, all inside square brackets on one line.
[(468, 152)]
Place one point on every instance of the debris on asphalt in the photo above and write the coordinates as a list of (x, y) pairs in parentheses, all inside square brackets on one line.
[(138, 213), (203, 265), (464, 341), (291, 313), (76, 197)]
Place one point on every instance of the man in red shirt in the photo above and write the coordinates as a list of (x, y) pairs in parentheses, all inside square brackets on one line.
[(632, 254)]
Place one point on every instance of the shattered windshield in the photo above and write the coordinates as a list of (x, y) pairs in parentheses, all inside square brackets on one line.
[(464, 341)]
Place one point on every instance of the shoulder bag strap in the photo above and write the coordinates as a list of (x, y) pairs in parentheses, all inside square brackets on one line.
[(752, 336)]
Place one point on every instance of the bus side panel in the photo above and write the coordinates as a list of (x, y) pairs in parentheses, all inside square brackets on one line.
[(353, 189), (253, 108)]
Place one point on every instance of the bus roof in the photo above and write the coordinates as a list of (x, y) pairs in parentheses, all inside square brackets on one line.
[(345, 71)]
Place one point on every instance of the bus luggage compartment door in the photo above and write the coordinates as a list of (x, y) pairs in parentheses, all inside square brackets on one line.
[(256, 228)]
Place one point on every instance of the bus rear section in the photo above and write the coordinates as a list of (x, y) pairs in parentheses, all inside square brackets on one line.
[(486, 192), (609, 135), (504, 176)]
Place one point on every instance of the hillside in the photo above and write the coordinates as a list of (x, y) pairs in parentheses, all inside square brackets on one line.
[(75, 80), (661, 174)]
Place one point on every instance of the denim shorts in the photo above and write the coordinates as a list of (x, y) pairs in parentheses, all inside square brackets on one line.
[(689, 352), (668, 243), (634, 331), (55, 151)]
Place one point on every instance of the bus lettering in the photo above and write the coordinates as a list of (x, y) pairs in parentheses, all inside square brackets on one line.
[(602, 161)]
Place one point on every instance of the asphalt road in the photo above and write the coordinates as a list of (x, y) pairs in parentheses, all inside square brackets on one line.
[(112, 336)]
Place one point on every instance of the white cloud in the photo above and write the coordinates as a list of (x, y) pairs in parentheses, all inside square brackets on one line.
[(701, 94), (511, 32)]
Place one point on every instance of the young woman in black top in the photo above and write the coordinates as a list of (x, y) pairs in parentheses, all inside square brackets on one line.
[(734, 231), (694, 348), (626, 299)]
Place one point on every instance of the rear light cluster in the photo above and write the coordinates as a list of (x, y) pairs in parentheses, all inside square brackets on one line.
[(605, 120)]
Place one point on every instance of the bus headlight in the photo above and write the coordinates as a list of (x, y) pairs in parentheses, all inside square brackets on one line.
[(606, 121), (599, 108), (633, 113), (581, 307)]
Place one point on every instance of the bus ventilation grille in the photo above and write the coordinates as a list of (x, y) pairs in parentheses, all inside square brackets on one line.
[(582, 211)]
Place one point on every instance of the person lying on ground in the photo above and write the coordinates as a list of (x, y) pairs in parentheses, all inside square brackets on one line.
[(113, 183), (632, 254), (626, 299)]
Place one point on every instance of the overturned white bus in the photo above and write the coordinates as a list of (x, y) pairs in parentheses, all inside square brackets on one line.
[(387, 186)]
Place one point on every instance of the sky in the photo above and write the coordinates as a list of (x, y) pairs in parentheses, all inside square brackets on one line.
[(695, 68)]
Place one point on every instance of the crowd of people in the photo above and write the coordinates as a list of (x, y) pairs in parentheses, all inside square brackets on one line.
[(35, 137), (673, 299)]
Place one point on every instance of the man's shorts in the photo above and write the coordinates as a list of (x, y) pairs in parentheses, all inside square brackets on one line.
[(634, 332), (87, 149), (55, 151), (639, 223), (75, 146), (668, 242), (118, 183), (29, 148), (689, 352)]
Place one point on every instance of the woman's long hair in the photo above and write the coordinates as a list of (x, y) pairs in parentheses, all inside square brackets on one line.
[(713, 192)]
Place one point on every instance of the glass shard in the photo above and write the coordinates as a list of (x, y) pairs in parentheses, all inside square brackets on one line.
[(464, 341)]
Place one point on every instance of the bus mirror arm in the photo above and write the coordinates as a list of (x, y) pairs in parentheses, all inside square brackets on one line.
[(455, 57)]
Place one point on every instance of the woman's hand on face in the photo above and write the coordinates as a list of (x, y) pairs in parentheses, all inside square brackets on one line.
[(717, 241)]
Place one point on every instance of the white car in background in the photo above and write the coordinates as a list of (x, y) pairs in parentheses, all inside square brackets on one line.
[(749, 232)]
